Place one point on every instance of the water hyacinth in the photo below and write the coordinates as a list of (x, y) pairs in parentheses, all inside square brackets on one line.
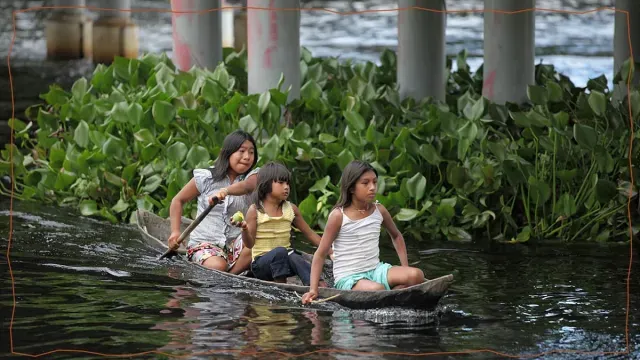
[(555, 168)]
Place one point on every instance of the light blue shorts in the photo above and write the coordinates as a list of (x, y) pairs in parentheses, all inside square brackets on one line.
[(379, 275)]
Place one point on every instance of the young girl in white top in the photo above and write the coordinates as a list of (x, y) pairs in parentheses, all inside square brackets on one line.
[(353, 228)]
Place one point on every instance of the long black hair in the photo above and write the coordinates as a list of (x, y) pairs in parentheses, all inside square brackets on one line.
[(350, 176), (230, 145), (270, 172)]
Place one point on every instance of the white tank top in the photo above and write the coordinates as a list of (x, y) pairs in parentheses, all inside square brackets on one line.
[(355, 249)]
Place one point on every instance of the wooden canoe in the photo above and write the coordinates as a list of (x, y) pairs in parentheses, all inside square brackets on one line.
[(155, 230)]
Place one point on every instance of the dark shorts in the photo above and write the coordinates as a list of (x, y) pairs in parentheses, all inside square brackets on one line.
[(281, 262)]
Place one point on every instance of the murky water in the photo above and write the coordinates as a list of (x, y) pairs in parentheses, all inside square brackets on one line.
[(87, 285)]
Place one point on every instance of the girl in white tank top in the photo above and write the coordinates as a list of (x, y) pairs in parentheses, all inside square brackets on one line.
[(353, 230)]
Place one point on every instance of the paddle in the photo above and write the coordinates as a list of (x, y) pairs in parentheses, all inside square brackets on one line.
[(170, 252)]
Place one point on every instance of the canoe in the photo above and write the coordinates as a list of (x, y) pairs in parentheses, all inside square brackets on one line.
[(425, 296)]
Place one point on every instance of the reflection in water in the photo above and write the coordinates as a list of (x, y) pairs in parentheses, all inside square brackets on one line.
[(85, 284)]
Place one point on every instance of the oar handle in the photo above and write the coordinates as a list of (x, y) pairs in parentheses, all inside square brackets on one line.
[(192, 226)]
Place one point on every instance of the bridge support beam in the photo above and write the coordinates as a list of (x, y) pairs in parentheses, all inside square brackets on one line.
[(197, 38), (114, 33), (421, 49), (509, 50), (273, 46), (68, 31)]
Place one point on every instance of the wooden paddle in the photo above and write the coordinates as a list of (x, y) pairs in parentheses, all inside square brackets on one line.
[(170, 252)]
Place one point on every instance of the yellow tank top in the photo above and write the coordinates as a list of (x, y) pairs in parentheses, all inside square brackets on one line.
[(273, 232)]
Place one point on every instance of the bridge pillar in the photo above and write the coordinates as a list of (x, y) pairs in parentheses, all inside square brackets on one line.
[(197, 38), (621, 51), (68, 31), (509, 50), (421, 50), (273, 38), (114, 33)]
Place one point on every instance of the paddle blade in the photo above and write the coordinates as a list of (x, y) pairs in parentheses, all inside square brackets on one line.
[(168, 254)]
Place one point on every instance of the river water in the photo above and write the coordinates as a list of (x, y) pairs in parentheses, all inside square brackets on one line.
[(83, 284)]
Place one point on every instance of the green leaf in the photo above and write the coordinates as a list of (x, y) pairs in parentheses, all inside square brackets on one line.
[(120, 112), (554, 91), (163, 112), (406, 214), (354, 120), (327, 138), (566, 206), (263, 101), (310, 90), (446, 208), (247, 124), (177, 151), (145, 137), (81, 134), (135, 113), (344, 158), (585, 135), (79, 89), (474, 111), (597, 102), (120, 206), (271, 148), (537, 94), (416, 186), (152, 183), (88, 207), (308, 208), (320, 184), (197, 155), (606, 191), (539, 191)]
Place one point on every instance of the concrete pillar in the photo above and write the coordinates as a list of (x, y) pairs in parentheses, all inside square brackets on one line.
[(197, 37), (68, 31), (114, 33), (509, 50), (421, 50), (621, 51), (240, 29), (227, 24), (273, 46)]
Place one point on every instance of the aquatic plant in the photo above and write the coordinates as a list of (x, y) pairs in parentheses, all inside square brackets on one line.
[(554, 168)]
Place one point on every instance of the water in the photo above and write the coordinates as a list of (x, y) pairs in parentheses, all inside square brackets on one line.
[(87, 285)]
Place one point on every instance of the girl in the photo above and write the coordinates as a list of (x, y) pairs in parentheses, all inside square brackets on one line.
[(267, 228), (353, 228), (215, 243)]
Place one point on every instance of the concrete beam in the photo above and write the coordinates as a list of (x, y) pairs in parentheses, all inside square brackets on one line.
[(509, 50), (273, 46), (197, 37), (421, 50)]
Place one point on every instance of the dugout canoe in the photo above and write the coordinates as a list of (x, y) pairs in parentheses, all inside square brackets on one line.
[(155, 230)]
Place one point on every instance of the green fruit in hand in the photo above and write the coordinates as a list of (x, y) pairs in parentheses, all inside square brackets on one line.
[(238, 217)]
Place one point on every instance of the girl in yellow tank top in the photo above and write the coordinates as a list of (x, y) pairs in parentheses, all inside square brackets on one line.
[(267, 228)]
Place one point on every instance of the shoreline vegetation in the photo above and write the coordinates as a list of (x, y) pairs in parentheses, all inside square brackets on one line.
[(553, 169)]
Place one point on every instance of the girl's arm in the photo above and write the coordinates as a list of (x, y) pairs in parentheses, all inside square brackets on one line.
[(186, 194), (300, 224), (249, 227), (396, 236), (330, 232), (240, 188)]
